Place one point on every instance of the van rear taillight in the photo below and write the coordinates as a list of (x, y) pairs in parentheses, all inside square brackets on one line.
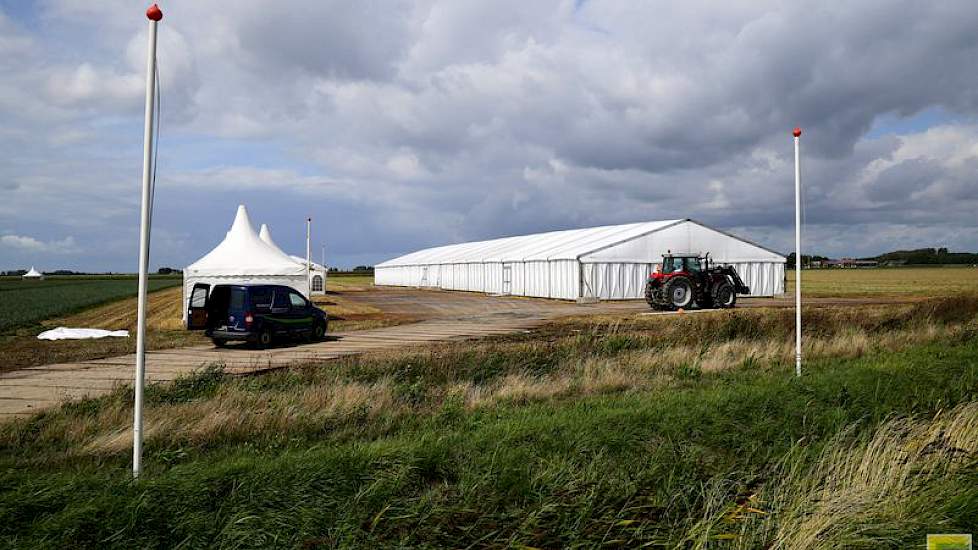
[(248, 320)]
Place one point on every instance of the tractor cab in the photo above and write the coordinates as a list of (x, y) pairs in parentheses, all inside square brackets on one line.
[(681, 263)]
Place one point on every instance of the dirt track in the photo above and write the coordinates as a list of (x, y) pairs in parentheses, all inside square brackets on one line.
[(443, 316)]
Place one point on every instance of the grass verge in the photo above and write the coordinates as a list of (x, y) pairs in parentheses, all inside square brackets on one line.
[(552, 440)]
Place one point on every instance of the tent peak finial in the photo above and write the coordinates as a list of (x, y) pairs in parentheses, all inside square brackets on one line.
[(242, 222)]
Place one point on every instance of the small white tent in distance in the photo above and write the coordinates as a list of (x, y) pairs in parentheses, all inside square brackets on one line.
[(33, 275), (243, 258), (317, 272)]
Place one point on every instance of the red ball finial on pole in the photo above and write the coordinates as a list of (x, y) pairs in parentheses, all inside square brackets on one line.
[(796, 132), (154, 13)]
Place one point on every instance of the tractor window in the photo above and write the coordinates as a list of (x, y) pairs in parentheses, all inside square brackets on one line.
[(670, 265), (693, 265)]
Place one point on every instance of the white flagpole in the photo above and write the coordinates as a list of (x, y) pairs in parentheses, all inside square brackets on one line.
[(309, 254), (797, 134), (154, 14)]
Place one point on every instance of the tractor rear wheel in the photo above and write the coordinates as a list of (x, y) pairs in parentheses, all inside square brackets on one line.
[(724, 295), (678, 291)]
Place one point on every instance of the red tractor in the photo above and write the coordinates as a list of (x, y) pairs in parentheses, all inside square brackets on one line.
[(685, 279)]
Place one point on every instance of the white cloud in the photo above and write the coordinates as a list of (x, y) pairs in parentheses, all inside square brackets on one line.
[(30, 244)]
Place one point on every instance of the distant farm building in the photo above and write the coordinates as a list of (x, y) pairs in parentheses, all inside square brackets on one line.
[(608, 263), (845, 263), (33, 275)]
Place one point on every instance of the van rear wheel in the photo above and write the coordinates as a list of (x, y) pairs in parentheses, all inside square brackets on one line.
[(219, 342), (265, 339)]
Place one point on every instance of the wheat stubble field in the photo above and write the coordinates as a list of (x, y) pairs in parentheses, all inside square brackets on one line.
[(617, 430)]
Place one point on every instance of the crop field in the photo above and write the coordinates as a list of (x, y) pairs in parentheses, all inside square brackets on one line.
[(90, 303), (886, 282), (30, 302), (677, 432)]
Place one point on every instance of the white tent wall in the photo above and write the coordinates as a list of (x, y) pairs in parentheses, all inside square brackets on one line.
[(317, 288), (610, 263), (620, 271)]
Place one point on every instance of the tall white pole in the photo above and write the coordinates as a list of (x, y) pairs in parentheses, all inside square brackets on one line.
[(309, 253), (797, 134), (154, 14)]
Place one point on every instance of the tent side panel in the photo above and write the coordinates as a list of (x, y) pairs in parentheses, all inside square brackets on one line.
[(615, 280), (564, 279)]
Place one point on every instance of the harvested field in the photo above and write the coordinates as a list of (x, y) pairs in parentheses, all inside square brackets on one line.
[(899, 282)]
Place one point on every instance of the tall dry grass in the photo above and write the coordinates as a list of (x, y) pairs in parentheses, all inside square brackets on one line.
[(601, 359), (868, 493)]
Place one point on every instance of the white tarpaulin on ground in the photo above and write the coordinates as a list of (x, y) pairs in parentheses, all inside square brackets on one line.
[(609, 263), (244, 258), (64, 333)]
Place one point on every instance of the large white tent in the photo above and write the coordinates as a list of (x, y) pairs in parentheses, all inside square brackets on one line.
[(244, 258), (317, 272), (609, 263), (33, 274)]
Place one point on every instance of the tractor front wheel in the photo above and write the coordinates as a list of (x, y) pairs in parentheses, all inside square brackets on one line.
[(679, 292), (724, 295)]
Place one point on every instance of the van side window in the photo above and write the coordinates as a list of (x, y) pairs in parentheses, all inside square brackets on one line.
[(261, 299), (281, 300), (298, 302), (199, 297)]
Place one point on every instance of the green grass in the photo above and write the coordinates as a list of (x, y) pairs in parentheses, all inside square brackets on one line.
[(613, 468), (24, 303)]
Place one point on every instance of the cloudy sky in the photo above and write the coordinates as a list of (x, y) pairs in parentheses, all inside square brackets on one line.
[(401, 125)]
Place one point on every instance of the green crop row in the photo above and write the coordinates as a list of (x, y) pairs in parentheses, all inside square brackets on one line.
[(24, 303)]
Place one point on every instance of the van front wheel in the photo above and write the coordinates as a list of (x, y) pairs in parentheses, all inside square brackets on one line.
[(318, 332)]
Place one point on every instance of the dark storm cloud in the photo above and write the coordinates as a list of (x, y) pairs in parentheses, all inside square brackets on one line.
[(417, 123), (898, 182)]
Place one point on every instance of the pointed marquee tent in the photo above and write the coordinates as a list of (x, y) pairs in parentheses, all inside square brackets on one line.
[(244, 258), (608, 263), (33, 274), (317, 273)]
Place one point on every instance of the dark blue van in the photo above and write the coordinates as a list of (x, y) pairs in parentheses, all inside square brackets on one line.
[(259, 314)]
